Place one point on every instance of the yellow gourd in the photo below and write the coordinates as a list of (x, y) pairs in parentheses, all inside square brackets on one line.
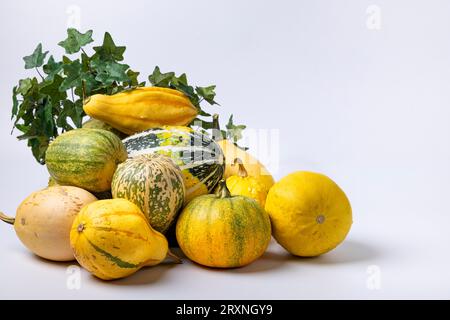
[(223, 231), (310, 214), (244, 185), (112, 239), (44, 219), (141, 109), (231, 151)]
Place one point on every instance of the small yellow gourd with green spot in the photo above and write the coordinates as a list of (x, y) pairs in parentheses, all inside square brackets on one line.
[(244, 185)]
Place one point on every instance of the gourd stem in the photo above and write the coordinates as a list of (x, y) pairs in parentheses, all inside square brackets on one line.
[(216, 133), (242, 171), (6, 219), (223, 190), (174, 257)]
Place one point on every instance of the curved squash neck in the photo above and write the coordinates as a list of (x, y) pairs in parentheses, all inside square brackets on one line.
[(7, 219)]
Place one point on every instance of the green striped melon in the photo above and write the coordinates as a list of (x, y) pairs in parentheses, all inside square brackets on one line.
[(85, 158), (155, 184), (200, 159)]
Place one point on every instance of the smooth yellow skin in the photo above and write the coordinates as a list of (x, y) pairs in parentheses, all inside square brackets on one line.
[(310, 214), (44, 219), (141, 109), (251, 187), (252, 165), (223, 233), (112, 239)]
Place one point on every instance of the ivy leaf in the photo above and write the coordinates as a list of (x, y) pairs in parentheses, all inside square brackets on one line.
[(108, 50), (52, 68), (159, 79), (24, 86), (51, 88), (15, 106), (73, 76), (133, 79), (207, 93), (75, 40), (234, 132), (36, 59), (110, 71)]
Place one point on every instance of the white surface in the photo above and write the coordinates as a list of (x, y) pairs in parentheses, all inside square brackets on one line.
[(368, 108)]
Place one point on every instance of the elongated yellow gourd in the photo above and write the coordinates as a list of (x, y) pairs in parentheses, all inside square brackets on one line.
[(141, 109)]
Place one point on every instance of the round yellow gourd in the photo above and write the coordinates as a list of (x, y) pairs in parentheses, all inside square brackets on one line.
[(243, 184), (223, 231), (310, 214), (44, 219), (112, 239)]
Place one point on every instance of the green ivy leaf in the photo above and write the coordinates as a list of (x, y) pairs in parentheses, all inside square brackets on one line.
[(133, 79), (159, 79), (234, 132), (24, 86), (108, 50), (52, 68), (110, 72), (52, 89), (75, 40), (15, 103), (36, 59), (207, 93), (73, 76)]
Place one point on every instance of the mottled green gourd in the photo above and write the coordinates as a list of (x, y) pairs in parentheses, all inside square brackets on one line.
[(85, 158), (155, 184), (200, 159)]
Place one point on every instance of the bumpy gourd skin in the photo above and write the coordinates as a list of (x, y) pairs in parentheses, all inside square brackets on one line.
[(248, 186), (141, 109), (223, 231), (244, 185), (112, 239)]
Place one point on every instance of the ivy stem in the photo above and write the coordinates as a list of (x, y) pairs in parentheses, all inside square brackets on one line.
[(39, 73)]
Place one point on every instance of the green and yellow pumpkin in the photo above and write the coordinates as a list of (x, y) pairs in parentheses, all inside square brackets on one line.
[(223, 231), (155, 184), (85, 158), (200, 159)]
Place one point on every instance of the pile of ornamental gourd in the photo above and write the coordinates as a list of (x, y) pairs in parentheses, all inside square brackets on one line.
[(136, 175)]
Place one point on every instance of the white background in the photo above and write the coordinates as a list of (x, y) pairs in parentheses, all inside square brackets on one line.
[(369, 108)]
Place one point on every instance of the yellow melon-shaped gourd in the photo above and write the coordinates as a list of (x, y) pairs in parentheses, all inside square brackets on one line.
[(310, 214)]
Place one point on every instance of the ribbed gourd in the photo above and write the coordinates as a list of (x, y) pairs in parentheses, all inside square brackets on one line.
[(141, 109), (200, 159), (231, 151), (223, 231), (155, 184), (85, 158), (112, 239)]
